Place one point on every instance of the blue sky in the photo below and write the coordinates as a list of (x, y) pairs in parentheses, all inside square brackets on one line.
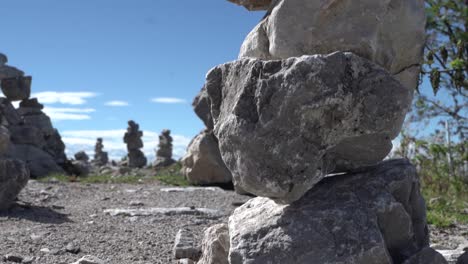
[(97, 64)]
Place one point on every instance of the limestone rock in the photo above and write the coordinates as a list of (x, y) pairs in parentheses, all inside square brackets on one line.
[(8, 113), (390, 33), (184, 246), (202, 164), (202, 107), (16, 88), (81, 168), (4, 139), (164, 152), (283, 125), (100, 157), (373, 216), (13, 177), (215, 245), (55, 147), (41, 121), (39, 162), (25, 134), (88, 259), (136, 158), (426, 256), (81, 155), (8, 71), (30, 107), (253, 5)]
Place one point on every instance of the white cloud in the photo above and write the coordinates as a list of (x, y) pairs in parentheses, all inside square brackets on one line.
[(77, 140), (58, 114), (117, 103), (168, 100), (71, 98)]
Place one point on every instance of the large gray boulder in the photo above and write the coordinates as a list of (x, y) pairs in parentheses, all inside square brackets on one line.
[(202, 107), (390, 33), (202, 164), (4, 139), (375, 216), (283, 125), (39, 162), (13, 177), (426, 256), (8, 71), (17, 88)]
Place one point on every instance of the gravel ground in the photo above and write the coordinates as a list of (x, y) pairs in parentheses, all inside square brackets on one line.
[(49, 216)]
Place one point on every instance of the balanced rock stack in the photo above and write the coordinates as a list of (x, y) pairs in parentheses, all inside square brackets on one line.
[(202, 163), (33, 138), (136, 158), (100, 157), (320, 87), (164, 152)]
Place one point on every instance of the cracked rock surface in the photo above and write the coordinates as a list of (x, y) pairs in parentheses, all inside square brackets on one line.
[(283, 125)]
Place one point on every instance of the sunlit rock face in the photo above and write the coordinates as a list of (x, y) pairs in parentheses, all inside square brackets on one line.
[(374, 217), (282, 125), (390, 33)]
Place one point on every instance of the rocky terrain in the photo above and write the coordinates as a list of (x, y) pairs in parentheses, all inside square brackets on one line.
[(59, 222)]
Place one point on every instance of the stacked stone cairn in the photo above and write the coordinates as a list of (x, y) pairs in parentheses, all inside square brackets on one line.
[(164, 151), (320, 88), (32, 138), (202, 163), (100, 157), (136, 158)]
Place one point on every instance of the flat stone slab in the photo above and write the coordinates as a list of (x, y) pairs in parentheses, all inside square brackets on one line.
[(192, 189), (164, 211)]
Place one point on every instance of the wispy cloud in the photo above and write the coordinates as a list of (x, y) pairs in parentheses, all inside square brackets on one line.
[(58, 114), (71, 98), (116, 103), (77, 140), (168, 100)]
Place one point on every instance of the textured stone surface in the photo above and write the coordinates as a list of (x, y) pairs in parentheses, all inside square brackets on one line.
[(81, 155), (136, 158), (39, 162), (202, 164), (185, 246), (426, 256), (4, 139), (390, 33), (253, 5), (282, 125), (164, 152), (8, 114), (202, 107), (215, 245), (41, 121), (373, 216), (463, 259), (100, 157), (17, 88), (13, 177), (24, 134)]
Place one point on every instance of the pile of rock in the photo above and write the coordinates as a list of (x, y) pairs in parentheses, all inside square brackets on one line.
[(101, 157), (164, 152), (135, 158), (33, 138), (202, 163), (320, 87)]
